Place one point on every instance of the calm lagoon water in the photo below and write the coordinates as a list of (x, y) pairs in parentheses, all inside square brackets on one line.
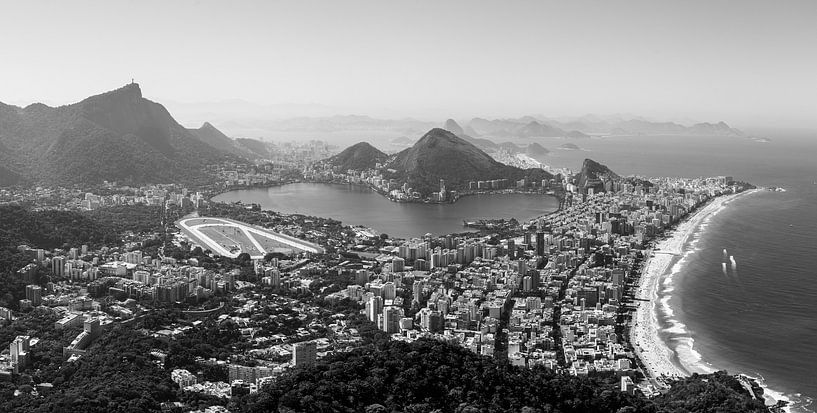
[(358, 205)]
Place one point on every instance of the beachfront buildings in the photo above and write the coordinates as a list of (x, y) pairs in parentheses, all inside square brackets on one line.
[(555, 296)]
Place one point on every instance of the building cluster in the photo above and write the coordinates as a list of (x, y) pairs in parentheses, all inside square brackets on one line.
[(120, 274), (373, 178), (246, 175), (552, 293), (556, 295), (281, 159), (107, 195)]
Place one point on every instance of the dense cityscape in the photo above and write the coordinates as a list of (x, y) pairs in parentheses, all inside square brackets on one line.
[(408, 207), (557, 293)]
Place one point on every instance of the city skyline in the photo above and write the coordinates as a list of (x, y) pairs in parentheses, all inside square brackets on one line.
[(749, 66)]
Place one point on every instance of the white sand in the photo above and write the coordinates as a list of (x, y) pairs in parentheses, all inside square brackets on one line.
[(649, 347)]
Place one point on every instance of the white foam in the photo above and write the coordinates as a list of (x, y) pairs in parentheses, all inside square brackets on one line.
[(793, 401), (676, 327), (655, 350)]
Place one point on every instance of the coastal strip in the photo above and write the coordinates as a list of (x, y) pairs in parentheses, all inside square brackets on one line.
[(654, 353)]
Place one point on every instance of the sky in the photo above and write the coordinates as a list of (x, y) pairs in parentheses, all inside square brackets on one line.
[(750, 63)]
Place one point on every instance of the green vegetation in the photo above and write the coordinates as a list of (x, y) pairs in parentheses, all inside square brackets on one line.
[(116, 375), (427, 376), (51, 229), (139, 219)]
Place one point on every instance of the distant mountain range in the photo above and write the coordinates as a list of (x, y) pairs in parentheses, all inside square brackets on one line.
[(115, 136), (529, 127), (347, 129), (533, 149)]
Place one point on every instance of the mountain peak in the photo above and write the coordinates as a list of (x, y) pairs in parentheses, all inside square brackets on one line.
[(131, 90), (207, 126), (440, 154), (595, 175), (360, 156), (439, 136), (452, 126)]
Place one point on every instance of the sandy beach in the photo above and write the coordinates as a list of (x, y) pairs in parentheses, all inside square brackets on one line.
[(653, 352)]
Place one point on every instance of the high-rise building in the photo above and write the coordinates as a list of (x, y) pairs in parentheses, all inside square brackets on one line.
[(304, 353), (391, 319), (618, 276), (374, 307), (527, 284), (58, 266), (18, 350), (362, 277), (28, 273), (133, 257), (540, 243), (389, 291), (442, 306), (425, 317), (522, 266), (435, 322), (397, 264), (272, 277), (417, 290), (34, 294)]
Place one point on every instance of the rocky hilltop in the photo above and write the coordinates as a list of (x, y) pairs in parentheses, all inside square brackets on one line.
[(596, 176), (116, 136)]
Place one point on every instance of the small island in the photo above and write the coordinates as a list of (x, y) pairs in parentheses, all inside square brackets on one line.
[(570, 147)]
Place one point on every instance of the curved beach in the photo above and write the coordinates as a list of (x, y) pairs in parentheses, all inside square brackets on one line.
[(655, 354)]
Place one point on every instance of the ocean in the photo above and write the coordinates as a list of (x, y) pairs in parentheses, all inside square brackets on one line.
[(752, 309)]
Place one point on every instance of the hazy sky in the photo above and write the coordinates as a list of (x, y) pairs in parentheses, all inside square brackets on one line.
[(746, 62)]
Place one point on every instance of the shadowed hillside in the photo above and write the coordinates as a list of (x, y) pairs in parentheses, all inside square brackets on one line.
[(359, 157), (118, 136), (440, 154)]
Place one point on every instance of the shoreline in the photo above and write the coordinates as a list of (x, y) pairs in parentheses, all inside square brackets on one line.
[(660, 362)]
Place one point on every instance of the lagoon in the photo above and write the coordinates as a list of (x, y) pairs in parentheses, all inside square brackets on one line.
[(359, 205)]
